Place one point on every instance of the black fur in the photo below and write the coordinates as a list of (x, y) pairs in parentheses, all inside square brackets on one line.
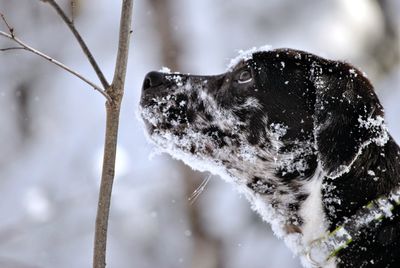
[(327, 107)]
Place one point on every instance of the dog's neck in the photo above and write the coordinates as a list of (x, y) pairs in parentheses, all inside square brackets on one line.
[(374, 173), (324, 203), (284, 186)]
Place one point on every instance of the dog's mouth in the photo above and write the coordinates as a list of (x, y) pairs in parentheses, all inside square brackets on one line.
[(191, 114), (173, 101), (164, 102)]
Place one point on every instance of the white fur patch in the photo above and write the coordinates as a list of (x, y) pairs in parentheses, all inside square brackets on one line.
[(311, 211), (315, 224)]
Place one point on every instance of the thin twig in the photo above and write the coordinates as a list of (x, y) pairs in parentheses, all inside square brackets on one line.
[(86, 51), (59, 64), (10, 48), (125, 32), (115, 91), (10, 29)]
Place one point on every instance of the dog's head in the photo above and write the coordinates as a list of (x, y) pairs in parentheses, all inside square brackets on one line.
[(273, 114)]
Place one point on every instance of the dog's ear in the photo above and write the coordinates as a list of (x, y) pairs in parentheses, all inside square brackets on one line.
[(348, 116)]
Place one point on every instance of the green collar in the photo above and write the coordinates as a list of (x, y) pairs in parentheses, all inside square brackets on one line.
[(322, 249)]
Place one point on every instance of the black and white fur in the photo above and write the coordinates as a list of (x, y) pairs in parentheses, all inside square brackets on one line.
[(301, 136)]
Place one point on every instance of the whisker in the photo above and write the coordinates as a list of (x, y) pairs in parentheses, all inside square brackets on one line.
[(196, 193)]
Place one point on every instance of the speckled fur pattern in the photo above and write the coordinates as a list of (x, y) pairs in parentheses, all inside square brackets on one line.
[(285, 127)]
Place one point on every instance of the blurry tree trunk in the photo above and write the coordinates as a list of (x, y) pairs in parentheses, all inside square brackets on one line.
[(22, 97), (386, 51), (206, 250), (170, 48)]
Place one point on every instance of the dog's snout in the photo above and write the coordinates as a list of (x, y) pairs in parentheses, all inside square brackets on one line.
[(153, 79)]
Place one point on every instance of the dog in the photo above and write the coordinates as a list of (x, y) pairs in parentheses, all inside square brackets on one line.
[(302, 137)]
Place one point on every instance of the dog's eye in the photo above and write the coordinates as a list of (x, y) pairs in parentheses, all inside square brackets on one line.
[(245, 77)]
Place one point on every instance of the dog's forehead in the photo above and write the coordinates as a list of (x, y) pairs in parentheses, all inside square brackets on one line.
[(279, 56), (259, 58), (245, 56), (282, 57), (242, 63)]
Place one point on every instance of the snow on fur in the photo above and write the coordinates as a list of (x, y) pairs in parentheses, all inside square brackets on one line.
[(245, 55)]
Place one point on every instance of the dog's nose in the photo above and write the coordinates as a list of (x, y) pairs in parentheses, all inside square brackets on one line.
[(152, 79)]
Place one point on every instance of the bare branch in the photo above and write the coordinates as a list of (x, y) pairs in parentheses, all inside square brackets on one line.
[(86, 51), (50, 59), (123, 45), (11, 48), (10, 29), (115, 91)]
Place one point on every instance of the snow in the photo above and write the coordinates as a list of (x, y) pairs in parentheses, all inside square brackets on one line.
[(353, 72), (246, 55), (165, 70), (377, 125), (176, 77)]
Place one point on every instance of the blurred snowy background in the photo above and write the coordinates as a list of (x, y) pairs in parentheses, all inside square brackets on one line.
[(51, 127)]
